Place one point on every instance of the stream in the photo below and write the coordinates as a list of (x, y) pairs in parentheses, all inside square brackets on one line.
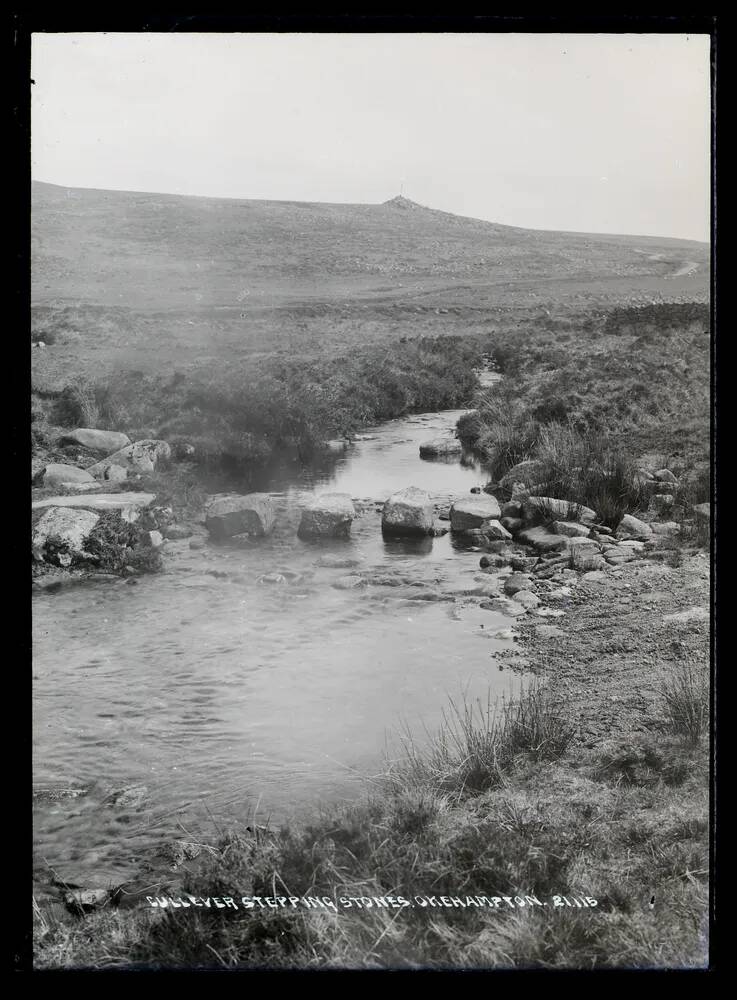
[(228, 697)]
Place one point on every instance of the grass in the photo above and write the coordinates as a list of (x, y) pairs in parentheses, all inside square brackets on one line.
[(685, 693), (493, 808)]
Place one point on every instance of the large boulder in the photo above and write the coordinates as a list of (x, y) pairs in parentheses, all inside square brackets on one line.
[(60, 524), (130, 505), (633, 527), (103, 442), (474, 512), (327, 516), (533, 508), (408, 512), (142, 456), (528, 473), (543, 540), (58, 474), (441, 447), (252, 514)]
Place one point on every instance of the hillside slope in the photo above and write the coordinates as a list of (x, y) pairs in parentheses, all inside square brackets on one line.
[(153, 280)]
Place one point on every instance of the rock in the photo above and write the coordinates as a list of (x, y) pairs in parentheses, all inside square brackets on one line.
[(130, 505), (81, 487), (533, 508), (616, 558), (594, 576), (349, 583), (85, 900), (702, 512), (689, 615), (543, 540), (496, 545), (494, 531), (142, 456), (252, 514), (513, 508), (665, 527), (579, 544), (571, 529), (197, 543), (512, 524), (103, 442), (131, 797), (503, 605), (473, 513), (527, 599), (175, 532), (115, 474), (57, 474), (632, 527), (527, 473), (408, 512), (493, 561), (549, 613), (72, 527), (522, 563), (515, 582), (153, 539), (663, 503), (441, 447), (277, 578), (665, 476), (632, 545), (329, 515), (601, 529)]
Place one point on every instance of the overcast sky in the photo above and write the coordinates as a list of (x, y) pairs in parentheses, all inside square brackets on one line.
[(597, 133)]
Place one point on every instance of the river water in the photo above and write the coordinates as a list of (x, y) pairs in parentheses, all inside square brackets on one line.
[(226, 696)]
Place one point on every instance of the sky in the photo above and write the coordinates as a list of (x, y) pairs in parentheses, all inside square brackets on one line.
[(590, 133)]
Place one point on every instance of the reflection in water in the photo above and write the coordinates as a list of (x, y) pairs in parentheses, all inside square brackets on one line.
[(216, 689)]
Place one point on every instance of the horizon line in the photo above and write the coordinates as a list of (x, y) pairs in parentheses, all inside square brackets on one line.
[(376, 204)]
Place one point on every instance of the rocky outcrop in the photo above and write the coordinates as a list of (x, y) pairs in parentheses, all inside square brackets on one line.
[(329, 515), (130, 505), (61, 533), (252, 514), (142, 456), (475, 512), (441, 447), (59, 474), (408, 512), (102, 442)]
